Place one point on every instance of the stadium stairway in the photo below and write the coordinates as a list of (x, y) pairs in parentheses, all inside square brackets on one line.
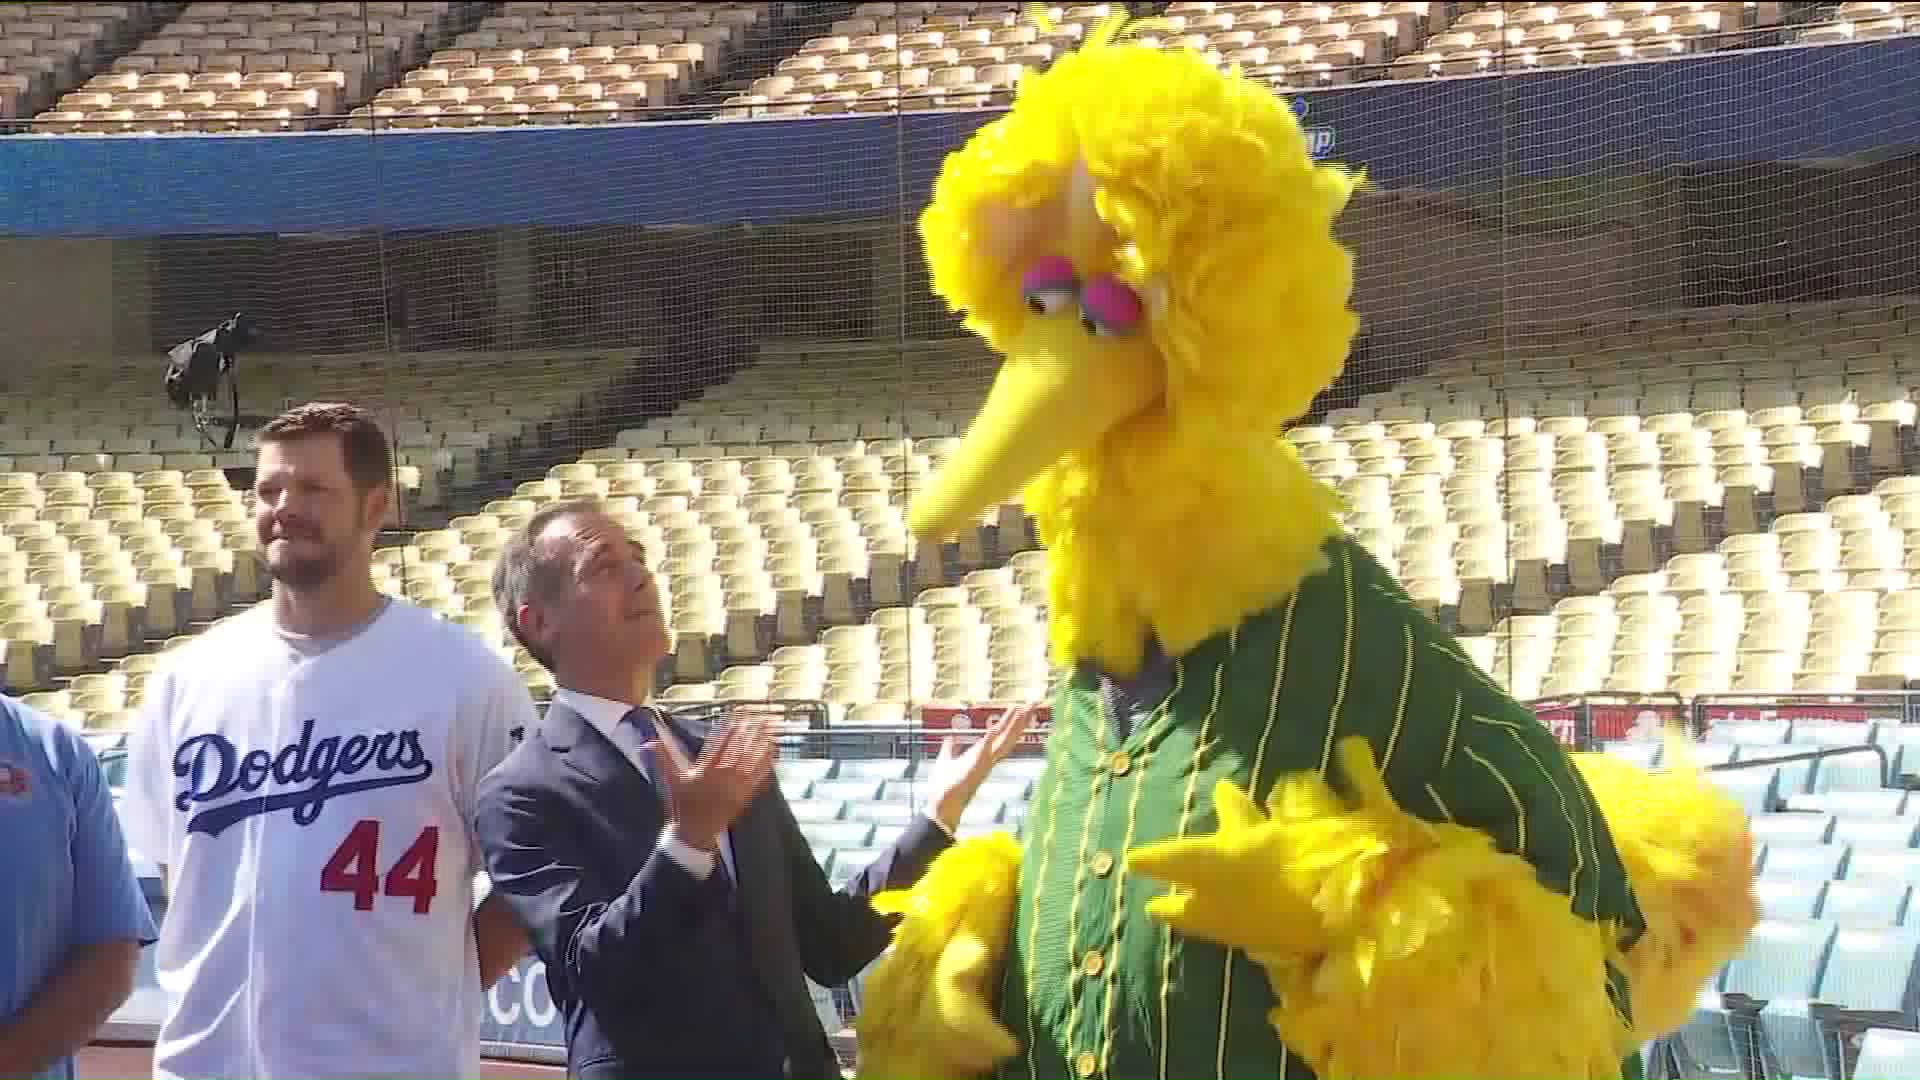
[(767, 44), (636, 396)]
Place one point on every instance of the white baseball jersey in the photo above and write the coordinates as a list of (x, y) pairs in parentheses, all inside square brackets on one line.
[(312, 803)]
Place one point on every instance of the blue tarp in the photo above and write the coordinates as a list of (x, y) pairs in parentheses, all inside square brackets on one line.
[(1467, 133)]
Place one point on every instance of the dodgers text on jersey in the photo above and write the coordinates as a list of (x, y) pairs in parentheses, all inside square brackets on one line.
[(228, 786)]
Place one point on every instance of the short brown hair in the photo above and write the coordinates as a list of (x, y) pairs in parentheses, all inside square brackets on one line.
[(364, 445), (525, 571)]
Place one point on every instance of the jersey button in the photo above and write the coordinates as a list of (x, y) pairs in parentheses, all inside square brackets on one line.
[(1085, 1065), (1120, 763), (1102, 863), (1093, 964)]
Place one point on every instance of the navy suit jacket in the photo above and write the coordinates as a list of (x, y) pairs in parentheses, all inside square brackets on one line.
[(651, 977)]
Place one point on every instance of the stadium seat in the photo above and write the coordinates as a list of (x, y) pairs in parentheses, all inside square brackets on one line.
[(891, 815), (1790, 898), (1783, 959), (773, 506), (1883, 864), (46, 49), (1887, 1054), (1869, 970), (889, 57), (1806, 862), (1875, 833), (840, 834), (1851, 802), (809, 811), (1548, 36), (118, 532), (1792, 829), (567, 62), (255, 66), (849, 861), (1867, 903), (1861, 22)]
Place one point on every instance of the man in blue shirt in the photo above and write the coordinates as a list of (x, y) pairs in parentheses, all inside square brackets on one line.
[(72, 916)]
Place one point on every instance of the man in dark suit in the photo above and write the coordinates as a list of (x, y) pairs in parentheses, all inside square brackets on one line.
[(663, 881)]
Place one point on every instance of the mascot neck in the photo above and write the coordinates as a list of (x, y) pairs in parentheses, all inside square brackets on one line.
[(1182, 542)]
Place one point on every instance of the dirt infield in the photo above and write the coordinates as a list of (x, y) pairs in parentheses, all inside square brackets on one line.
[(124, 1062)]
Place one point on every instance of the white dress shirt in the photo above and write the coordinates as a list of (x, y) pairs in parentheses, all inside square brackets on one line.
[(606, 715)]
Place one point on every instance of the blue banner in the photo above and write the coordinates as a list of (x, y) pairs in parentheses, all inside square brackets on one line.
[(1320, 137), (1765, 104)]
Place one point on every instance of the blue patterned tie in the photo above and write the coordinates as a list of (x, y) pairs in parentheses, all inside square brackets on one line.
[(645, 721)]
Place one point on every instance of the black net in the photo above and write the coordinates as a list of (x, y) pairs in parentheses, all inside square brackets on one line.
[(1630, 410), (1620, 318)]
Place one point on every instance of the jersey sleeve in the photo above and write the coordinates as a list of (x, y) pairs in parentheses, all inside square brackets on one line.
[(147, 813), (1496, 767), (1453, 745), (109, 904)]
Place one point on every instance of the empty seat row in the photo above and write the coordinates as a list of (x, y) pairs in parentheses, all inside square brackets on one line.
[(254, 67), (559, 63), (1769, 1012)]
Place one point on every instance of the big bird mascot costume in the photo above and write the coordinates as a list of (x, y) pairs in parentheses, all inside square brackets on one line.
[(1286, 827)]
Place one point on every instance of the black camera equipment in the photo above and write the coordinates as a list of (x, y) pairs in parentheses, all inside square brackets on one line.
[(198, 366)]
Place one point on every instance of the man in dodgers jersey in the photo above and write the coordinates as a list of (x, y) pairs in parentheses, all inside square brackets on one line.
[(305, 772)]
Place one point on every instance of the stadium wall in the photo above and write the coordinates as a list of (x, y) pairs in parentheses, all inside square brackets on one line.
[(1433, 268), (1589, 192), (1770, 104)]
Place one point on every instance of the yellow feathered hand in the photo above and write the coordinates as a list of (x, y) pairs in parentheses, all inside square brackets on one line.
[(927, 1008), (1396, 947), (1689, 852)]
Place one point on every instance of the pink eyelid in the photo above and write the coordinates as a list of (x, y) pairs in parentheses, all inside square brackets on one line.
[(1050, 272), (1111, 303)]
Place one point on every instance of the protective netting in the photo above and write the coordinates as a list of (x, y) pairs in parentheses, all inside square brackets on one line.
[(1614, 312), (1631, 409)]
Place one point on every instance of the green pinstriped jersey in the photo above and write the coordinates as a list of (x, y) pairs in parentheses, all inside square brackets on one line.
[(1094, 987)]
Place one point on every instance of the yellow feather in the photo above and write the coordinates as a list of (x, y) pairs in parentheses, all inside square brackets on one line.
[(1689, 852), (1390, 941), (928, 1002), (1217, 214)]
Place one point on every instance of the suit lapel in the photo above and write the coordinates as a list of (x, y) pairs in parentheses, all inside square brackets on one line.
[(587, 752)]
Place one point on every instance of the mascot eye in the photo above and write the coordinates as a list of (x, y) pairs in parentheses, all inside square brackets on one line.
[(1109, 308), (1049, 301), (1049, 285)]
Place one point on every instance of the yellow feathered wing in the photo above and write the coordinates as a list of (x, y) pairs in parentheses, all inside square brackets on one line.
[(1689, 853), (1396, 947), (926, 1011)]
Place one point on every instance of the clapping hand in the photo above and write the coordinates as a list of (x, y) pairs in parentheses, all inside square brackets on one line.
[(957, 774), (704, 798)]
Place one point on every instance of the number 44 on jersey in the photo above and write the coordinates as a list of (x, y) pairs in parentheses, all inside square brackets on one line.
[(354, 867)]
